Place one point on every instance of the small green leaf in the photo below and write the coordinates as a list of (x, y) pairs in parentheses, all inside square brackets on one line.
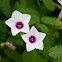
[(34, 20), (49, 4), (2, 36), (56, 52), (15, 40), (3, 26), (29, 11), (16, 6), (42, 27), (47, 44), (20, 4), (5, 7), (56, 34), (60, 27), (3, 31), (58, 60), (23, 3), (48, 20)]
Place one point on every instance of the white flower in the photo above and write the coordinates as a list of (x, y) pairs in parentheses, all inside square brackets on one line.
[(18, 22), (34, 39), (60, 1)]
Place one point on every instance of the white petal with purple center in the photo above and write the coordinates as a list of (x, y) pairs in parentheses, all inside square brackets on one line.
[(18, 22), (34, 39)]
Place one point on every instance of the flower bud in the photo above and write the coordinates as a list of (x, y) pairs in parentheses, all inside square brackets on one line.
[(21, 33), (2, 44), (60, 15), (11, 46)]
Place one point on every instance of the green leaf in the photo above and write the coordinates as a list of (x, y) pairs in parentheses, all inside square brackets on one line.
[(58, 60), (2, 36), (60, 27), (14, 55), (29, 11), (34, 20), (44, 54), (32, 57), (49, 4), (3, 31), (15, 40), (47, 44), (23, 3), (56, 34), (20, 4), (5, 60), (56, 52), (48, 20), (42, 27), (44, 11), (32, 4), (3, 26), (5, 7), (16, 6)]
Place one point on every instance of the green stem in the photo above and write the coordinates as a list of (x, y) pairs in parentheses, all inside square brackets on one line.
[(56, 28)]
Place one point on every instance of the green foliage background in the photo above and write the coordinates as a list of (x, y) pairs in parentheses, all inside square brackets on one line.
[(43, 15)]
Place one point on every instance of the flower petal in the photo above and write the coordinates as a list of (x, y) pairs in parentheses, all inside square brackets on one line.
[(33, 31), (29, 47), (16, 15), (25, 37), (26, 18), (14, 31), (41, 36), (10, 22), (39, 45), (25, 29)]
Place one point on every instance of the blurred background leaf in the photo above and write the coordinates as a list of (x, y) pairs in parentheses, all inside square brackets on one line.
[(31, 57), (14, 55), (49, 4), (5, 7)]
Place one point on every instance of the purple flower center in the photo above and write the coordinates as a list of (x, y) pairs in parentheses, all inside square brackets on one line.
[(32, 39), (19, 25)]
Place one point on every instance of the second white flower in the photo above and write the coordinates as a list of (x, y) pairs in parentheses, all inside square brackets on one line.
[(34, 39)]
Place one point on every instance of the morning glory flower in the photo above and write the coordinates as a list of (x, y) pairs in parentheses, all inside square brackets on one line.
[(60, 1), (18, 22), (34, 39)]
